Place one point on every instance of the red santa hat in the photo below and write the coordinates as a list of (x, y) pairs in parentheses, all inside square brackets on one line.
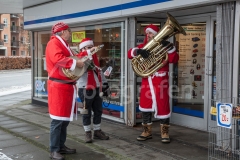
[(60, 26), (152, 28), (86, 42)]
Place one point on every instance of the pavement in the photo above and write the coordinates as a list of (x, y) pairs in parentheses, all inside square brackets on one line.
[(24, 130)]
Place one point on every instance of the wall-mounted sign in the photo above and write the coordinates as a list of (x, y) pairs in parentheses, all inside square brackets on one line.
[(224, 115), (78, 36), (191, 63)]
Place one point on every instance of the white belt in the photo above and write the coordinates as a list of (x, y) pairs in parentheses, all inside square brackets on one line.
[(157, 74)]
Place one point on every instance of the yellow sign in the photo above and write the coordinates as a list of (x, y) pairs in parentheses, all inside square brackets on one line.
[(78, 36), (213, 111)]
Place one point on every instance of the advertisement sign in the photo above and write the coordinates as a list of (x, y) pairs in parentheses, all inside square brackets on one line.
[(191, 64), (40, 87), (224, 115), (78, 36)]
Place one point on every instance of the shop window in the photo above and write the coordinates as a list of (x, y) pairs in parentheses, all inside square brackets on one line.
[(112, 55), (188, 75)]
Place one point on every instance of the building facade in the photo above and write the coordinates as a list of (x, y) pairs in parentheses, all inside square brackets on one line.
[(207, 70), (14, 40)]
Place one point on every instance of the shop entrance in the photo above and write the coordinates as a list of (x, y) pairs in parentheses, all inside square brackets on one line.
[(192, 76)]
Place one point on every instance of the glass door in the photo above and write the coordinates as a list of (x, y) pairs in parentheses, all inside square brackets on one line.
[(189, 83)]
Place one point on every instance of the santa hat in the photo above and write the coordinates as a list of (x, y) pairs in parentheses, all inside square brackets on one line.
[(60, 26), (86, 42), (152, 28)]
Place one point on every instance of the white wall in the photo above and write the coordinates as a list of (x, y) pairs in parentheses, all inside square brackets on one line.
[(72, 11)]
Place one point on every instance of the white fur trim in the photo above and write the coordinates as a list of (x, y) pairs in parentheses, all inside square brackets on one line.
[(133, 52), (151, 30), (59, 118), (146, 110), (154, 101), (89, 53), (172, 50), (96, 127), (147, 123), (73, 102), (73, 65), (72, 109), (163, 116), (87, 128), (86, 43), (157, 74)]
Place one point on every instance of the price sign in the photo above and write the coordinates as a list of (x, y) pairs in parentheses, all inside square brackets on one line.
[(224, 115)]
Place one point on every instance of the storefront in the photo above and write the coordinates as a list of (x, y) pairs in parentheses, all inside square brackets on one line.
[(120, 27)]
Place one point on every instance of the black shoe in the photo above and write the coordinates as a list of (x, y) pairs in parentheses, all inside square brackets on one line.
[(88, 137), (99, 134), (56, 155), (66, 150)]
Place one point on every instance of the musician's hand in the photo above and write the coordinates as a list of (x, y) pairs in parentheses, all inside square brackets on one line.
[(143, 53), (80, 64), (93, 49), (165, 43)]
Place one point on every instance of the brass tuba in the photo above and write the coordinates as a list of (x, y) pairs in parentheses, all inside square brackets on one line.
[(158, 54)]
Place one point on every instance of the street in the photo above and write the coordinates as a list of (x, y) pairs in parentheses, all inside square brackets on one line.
[(14, 81)]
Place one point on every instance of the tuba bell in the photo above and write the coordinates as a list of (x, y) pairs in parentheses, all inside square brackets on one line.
[(158, 54)]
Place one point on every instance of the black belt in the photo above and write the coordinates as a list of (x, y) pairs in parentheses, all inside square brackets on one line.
[(62, 81)]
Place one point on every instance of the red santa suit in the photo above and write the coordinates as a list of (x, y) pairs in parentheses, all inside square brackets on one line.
[(154, 93), (61, 96)]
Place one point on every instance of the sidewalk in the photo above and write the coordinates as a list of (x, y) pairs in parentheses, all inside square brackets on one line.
[(25, 130)]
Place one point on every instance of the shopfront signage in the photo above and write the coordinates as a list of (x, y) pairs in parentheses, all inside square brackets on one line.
[(78, 36), (224, 115), (191, 64)]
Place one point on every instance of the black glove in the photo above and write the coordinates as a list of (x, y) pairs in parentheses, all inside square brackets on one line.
[(105, 88), (143, 53), (166, 43)]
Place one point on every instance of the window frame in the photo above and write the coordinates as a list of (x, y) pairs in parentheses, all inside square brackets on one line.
[(14, 51), (5, 38), (5, 22)]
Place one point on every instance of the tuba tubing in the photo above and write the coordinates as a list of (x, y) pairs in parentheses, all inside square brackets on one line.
[(158, 54)]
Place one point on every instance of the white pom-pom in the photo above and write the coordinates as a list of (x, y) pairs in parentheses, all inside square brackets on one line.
[(100, 94)]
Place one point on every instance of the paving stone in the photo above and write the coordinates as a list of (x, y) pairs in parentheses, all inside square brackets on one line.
[(4, 118), (19, 149), (15, 125), (37, 155), (8, 122), (111, 143), (34, 133), (14, 141), (88, 156), (22, 129), (128, 150), (5, 136)]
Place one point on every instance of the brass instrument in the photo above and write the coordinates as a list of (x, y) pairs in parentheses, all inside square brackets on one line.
[(78, 72), (158, 54)]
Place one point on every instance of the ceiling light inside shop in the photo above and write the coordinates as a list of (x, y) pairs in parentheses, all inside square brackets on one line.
[(199, 23), (149, 24)]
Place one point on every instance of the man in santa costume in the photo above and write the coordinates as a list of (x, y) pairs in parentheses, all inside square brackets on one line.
[(154, 95), (61, 89), (90, 88)]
